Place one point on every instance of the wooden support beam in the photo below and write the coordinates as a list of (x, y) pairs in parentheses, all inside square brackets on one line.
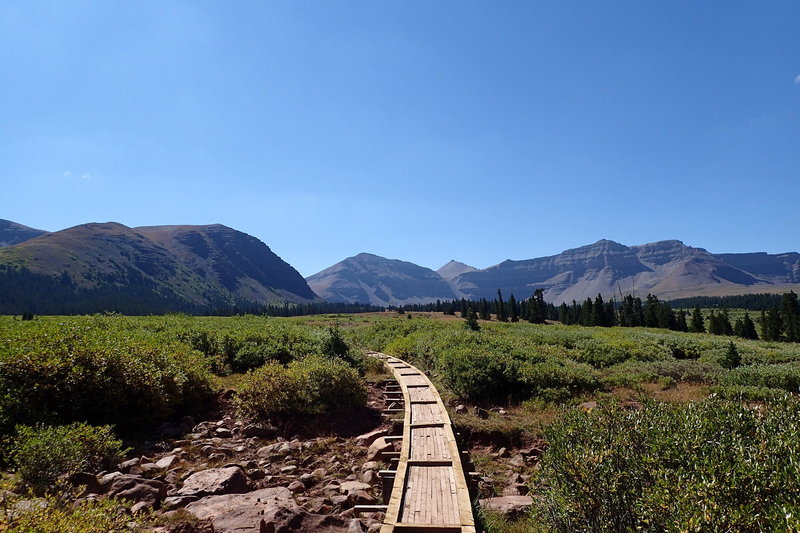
[(370, 508)]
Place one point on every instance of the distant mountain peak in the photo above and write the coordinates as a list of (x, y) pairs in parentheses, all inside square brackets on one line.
[(454, 268), (369, 278), (12, 233)]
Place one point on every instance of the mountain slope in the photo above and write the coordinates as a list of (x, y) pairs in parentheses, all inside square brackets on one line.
[(97, 267), (12, 233), (368, 278)]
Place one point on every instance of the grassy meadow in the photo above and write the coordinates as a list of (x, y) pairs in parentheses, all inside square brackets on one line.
[(681, 417)]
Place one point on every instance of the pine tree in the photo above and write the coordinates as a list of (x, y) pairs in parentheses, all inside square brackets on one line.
[(513, 310), (484, 310), (463, 308), (748, 328), (586, 313), (611, 313), (790, 314), (471, 321), (698, 324), (774, 325), (599, 312), (502, 314), (680, 321), (731, 359)]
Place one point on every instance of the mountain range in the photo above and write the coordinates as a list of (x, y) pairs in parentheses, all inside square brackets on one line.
[(668, 269), (97, 267), (201, 269)]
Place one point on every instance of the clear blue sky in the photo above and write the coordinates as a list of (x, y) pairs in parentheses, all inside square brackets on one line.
[(417, 130)]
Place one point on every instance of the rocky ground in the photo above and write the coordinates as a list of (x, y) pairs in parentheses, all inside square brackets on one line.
[(226, 475)]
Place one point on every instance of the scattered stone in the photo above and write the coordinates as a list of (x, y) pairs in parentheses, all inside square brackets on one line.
[(517, 461), (588, 406), (264, 510), (360, 497), (138, 489), (125, 467), (216, 481), (296, 486), (369, 477), (167, 462), (368, 438), (89, 480), (502, 452), (378, 448), (461, 409), (223, 433), (349, 486), (509, 506), (107, 479), (288, 469), (177, 502), (256, 473), (370, 465)]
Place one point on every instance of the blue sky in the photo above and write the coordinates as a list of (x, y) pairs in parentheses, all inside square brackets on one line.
[(424, 131)]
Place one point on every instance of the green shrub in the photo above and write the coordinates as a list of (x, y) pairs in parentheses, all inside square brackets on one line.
[(329, 384), (53, 515), (784, 376), (558, 378), (252, 355), (312, 385), (60, 373), (708, 466), (43, 454)]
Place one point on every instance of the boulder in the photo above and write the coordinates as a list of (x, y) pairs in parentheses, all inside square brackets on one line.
[(296, 486), (368, 438), (378, 448), (261, 431), (125, 467), (349, 486), (167, 462), (360, 497), (138, 489), (88, 479), (509, 506), (214, 481), (265, 510)]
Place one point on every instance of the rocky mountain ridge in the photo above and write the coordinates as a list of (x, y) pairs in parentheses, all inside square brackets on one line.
[(668, 269)]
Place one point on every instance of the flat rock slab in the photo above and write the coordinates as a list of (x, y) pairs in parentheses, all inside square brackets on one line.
[(137, 488), (270, 510), (510, 506), (216, 481)]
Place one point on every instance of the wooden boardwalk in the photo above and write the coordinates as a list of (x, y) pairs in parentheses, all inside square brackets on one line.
[(430, 492)]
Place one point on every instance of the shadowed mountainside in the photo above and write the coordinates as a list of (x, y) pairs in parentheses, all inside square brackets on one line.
[(12, 233), (104, 267)]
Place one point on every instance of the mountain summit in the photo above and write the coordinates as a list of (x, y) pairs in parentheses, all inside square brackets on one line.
[(368, 278)]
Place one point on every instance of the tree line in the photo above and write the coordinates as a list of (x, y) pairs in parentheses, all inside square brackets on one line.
[(781, 322)]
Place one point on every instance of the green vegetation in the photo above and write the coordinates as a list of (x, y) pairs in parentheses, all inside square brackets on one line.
[(309, 386), (613, 468), (43, 455), (55, 515), (706, 466)]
